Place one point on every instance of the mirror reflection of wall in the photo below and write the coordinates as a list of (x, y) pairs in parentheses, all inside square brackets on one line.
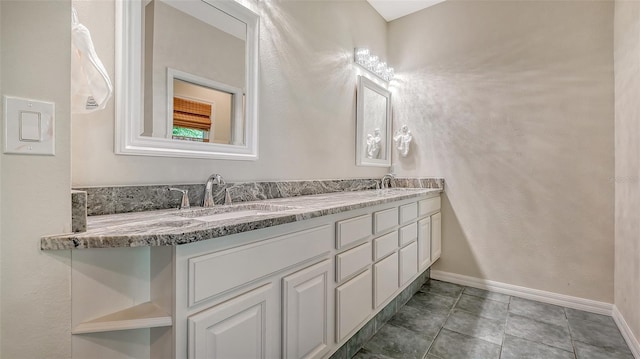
[(375, 124), (177, 37)]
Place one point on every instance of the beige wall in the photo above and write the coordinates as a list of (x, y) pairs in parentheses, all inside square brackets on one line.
[(35, 300), (307, 100), (512, 103), (627, 168)]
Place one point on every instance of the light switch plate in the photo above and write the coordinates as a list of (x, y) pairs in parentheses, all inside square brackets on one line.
[(29, 126)]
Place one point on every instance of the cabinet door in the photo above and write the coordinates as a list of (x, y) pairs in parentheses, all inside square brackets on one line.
[(408, 262), (436, 236), (305, 312), (424, 243), (238, 328), (353, 303), (385, 278)]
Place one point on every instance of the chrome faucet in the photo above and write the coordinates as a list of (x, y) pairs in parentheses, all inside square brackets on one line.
[(184, 202), (208, 189), (386, 180)]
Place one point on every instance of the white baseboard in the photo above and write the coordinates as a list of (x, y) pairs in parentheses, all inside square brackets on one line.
[(568, 301), (627, 333)]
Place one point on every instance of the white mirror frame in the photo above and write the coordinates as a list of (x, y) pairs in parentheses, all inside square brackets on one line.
[(361, 159), (129, 100)]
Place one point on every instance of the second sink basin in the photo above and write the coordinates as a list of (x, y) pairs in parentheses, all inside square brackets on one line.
[(231, 211)]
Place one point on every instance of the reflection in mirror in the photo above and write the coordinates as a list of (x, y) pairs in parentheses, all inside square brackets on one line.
[(373, 124), (197, 61), (204, 110)]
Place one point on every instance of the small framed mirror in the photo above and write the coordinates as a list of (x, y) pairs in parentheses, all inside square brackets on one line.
[(188, 72), (373, 124)]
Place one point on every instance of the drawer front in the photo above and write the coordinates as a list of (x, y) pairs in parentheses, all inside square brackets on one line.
[(353, 304), (408, 234), (385, 220), (408, 262), (352, 230), (385, 279), (385, 245), (428, 206), (353, 260), (408, 212), (209, 273)]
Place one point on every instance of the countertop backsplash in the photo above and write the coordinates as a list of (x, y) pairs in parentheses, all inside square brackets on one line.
[(125, 199)]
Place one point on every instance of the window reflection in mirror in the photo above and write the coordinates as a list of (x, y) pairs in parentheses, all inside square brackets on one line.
[(209, 75), (202, 114)]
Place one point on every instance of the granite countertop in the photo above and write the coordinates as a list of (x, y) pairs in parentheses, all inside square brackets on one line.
[(175, 227)]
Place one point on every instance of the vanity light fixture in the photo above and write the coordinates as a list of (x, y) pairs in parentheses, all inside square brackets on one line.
[(372, 63)]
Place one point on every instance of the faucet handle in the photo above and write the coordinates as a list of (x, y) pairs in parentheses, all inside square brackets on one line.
[(227, 196), (184, 204)]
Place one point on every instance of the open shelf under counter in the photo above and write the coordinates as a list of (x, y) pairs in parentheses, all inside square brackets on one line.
[(145, 315)]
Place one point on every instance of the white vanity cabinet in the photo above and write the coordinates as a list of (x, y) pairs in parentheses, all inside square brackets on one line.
[(429, 232), (297, 290), (247, 296)]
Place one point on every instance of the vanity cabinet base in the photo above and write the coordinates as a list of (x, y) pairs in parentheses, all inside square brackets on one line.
[(298, 290)]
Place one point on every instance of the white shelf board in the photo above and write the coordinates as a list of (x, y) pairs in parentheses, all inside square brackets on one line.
[(145, 315)]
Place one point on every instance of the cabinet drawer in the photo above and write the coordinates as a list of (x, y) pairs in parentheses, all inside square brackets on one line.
[(353, 260), (428, 206), (408, 234), (386, 219), (209, 273), (385, 245), (352, 230), (385, 278), (408, 212), (353, 304), (408, 262)]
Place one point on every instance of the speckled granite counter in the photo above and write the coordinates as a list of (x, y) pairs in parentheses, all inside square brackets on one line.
[(173, 227)]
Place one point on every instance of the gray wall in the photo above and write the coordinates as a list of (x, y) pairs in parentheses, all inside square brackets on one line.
[(307, 100), (35, 301), (512, 103), (627, 140)]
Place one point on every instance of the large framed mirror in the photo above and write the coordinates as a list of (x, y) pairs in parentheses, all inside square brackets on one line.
[(373, 124), (188, 79)]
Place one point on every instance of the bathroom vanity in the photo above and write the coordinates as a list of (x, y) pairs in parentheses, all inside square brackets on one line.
[(282, 278)]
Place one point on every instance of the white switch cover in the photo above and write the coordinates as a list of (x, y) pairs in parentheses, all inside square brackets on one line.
[(29, 126)]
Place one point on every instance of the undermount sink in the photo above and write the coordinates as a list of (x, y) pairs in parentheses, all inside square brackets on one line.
[(232, 211)]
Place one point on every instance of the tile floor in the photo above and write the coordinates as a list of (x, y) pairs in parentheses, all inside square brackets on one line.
[(449, 321)]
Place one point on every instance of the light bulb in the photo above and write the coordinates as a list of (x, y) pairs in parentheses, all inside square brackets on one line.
[(362, 55), (373, 62)]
